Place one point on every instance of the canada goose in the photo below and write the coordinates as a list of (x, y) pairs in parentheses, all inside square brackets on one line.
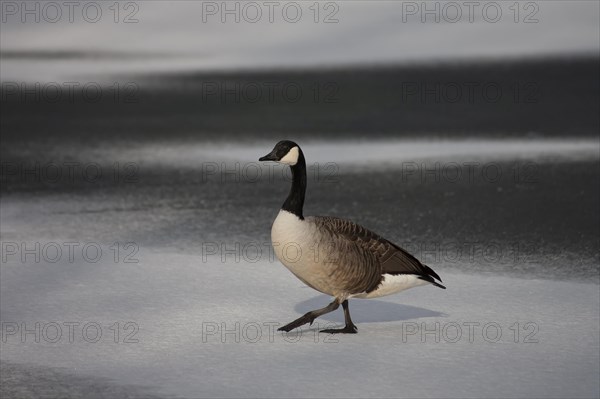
[(336, 256)]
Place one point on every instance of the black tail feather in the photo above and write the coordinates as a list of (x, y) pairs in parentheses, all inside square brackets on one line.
[(430, 274)]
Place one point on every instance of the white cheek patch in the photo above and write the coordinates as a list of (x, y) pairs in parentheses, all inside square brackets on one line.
[(291, 158)]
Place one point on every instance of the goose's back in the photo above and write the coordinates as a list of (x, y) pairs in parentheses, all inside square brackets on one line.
[(361, 252)]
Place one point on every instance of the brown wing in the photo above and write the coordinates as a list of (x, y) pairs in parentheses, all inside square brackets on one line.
[(389, 258)]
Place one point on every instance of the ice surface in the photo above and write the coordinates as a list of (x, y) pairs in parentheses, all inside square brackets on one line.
[(182, 304), (196, 321), (168, 37), (374, 153)]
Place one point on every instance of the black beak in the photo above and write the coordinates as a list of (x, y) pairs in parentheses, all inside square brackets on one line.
[(269, 157)]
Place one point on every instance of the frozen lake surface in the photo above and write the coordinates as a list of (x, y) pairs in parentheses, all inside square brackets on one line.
[(186, 295), (192, 38), (206, 329)]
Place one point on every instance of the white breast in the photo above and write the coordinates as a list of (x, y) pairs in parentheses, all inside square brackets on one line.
[(294, 244), (290, 236)]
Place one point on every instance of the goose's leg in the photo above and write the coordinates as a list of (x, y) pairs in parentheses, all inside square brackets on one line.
[(350, 327), (310, 316)]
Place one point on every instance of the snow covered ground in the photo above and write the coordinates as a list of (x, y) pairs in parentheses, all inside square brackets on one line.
[(206, 328), (190, 308)]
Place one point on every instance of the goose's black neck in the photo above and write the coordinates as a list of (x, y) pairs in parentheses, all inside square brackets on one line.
[(295, 200)]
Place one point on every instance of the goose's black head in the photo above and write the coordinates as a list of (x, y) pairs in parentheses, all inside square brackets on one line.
[(289, 153), (286, 152)]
